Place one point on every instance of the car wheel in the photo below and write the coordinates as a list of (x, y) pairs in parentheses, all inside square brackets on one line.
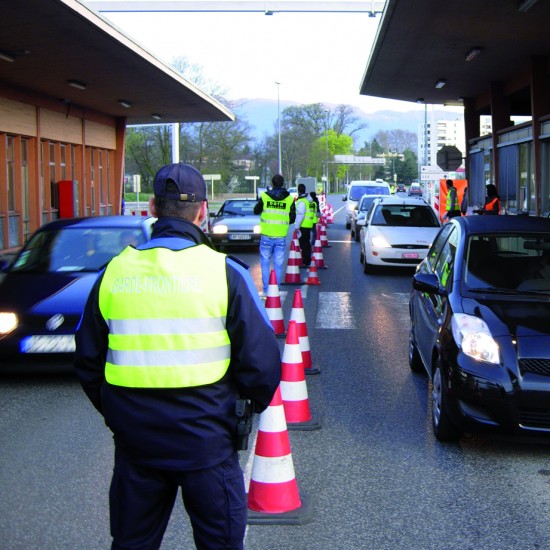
[(367, 268), (352, 233), (415, 362), (361, 257), (348, 225), (443, 427)]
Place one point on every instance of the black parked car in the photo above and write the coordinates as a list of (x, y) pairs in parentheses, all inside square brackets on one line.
[(480, 325)]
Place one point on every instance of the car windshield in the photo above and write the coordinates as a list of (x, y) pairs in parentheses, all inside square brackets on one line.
[(365, 203), (515, 262), (404, 215), (357, 191), (74, 249), (237, 208)]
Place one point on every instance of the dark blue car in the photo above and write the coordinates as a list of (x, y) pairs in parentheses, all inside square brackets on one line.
[(44, 289), (480, 325)]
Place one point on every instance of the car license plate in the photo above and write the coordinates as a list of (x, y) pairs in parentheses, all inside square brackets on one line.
[(410, 255), (61, 343), (239, 237)]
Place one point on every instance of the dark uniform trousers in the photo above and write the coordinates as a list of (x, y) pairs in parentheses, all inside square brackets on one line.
[(141, 500), (305, 244)]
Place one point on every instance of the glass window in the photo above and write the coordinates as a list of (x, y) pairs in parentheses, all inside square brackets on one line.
[(438, 244)]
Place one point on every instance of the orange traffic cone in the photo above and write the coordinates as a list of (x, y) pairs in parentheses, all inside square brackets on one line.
[(293, 385), (296, 243), (312, 278), (297, 314), (324, 238), (292, 273), (273, 306), (318, 253), (273, 495)]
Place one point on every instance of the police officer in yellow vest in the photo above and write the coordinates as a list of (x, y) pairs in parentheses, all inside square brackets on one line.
[(173, 334), (276, 209), (305, 219), (452, 205)]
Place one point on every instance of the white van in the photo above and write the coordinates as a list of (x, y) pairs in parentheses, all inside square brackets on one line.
[(358, 188)]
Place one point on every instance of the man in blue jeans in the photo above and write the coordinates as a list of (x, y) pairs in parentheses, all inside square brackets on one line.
[(277, 211)]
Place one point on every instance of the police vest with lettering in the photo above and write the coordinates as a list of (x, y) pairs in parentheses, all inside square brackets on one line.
[(275, 216), (309, 214), (166, 312)]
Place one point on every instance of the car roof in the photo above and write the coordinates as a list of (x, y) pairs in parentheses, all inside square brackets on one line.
[(502, 224), (392, 200), (127, 222)]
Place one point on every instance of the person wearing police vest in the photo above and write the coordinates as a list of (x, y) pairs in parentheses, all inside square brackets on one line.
[(277, 211), (172, 339), (492, 201), (305, 218), (314, 205), (452, 204)]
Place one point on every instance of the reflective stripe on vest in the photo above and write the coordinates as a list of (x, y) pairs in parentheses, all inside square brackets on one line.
[(448, 204), (166, 315), (275, 216), (308, 217)]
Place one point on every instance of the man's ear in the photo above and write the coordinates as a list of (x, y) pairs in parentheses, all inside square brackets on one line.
[(152, 207), (203, 212)]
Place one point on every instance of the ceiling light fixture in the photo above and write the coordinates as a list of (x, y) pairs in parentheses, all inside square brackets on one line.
[(4, 56), (525, 5), (473, 53), (156, 116), (124, 103), (76, 84), (440, 83)]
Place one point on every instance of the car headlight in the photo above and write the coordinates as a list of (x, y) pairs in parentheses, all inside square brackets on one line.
[(256, 229), (473, 336), (8, 322), (380, 242), (220, 229)]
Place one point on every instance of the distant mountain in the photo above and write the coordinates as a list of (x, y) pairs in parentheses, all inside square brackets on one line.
[(261, 114)]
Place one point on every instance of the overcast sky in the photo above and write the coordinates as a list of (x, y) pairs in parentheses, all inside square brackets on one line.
[(316, 57)]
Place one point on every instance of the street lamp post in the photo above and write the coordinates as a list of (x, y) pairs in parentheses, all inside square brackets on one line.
[(279, 126), (327, 189)]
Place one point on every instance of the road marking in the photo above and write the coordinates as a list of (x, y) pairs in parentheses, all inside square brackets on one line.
[(335, 311)]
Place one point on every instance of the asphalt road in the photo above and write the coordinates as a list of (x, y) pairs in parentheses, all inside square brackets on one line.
[(375, 475)]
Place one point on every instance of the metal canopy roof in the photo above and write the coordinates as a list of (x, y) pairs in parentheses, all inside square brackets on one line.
[(52, 42), (421, 42)]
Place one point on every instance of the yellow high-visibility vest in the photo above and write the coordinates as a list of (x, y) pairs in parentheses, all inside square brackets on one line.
[(275, 216), (166, 312), (309, 216)]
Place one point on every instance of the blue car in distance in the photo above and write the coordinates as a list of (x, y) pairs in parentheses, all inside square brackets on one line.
[(480, 326), (44, 288)]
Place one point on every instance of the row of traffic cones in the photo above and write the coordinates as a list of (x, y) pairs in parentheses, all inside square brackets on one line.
[(292, 273), (273, 495)]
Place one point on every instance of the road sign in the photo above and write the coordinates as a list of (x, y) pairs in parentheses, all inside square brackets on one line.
[(449, 158)]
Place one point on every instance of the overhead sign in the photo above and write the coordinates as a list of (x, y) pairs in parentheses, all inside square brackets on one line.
[(449, 158)]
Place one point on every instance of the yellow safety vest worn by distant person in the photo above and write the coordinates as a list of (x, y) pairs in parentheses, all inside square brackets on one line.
[(309, 215), (448, 203), (166, 312), (314, 212), (275, 216)]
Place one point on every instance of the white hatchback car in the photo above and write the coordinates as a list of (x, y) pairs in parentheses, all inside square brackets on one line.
[(398, 233)]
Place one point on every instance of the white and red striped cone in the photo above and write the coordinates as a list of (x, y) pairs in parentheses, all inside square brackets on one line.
[(273, 306), (273, 495), (324, 237), (292, 273), (318, 254), (312, 278), (297, 314), (293, 385), (330, 215), (296, 244)]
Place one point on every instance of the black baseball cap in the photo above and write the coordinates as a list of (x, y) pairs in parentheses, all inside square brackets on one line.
[(190, 183)]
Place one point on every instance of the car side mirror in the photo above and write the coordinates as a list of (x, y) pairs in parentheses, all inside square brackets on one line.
[(427, 282)]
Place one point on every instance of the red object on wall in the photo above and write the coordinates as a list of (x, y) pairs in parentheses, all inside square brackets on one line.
[(67, 198)]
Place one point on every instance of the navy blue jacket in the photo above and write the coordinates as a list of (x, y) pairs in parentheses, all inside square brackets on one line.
[(189, 428)]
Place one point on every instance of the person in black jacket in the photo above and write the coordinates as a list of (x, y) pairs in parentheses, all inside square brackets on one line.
[(172, 336)]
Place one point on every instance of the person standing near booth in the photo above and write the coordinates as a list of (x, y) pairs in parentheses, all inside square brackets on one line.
[(452, 204), (492, 201)]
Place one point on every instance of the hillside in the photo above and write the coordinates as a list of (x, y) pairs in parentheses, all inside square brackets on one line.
[(262, 116)]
